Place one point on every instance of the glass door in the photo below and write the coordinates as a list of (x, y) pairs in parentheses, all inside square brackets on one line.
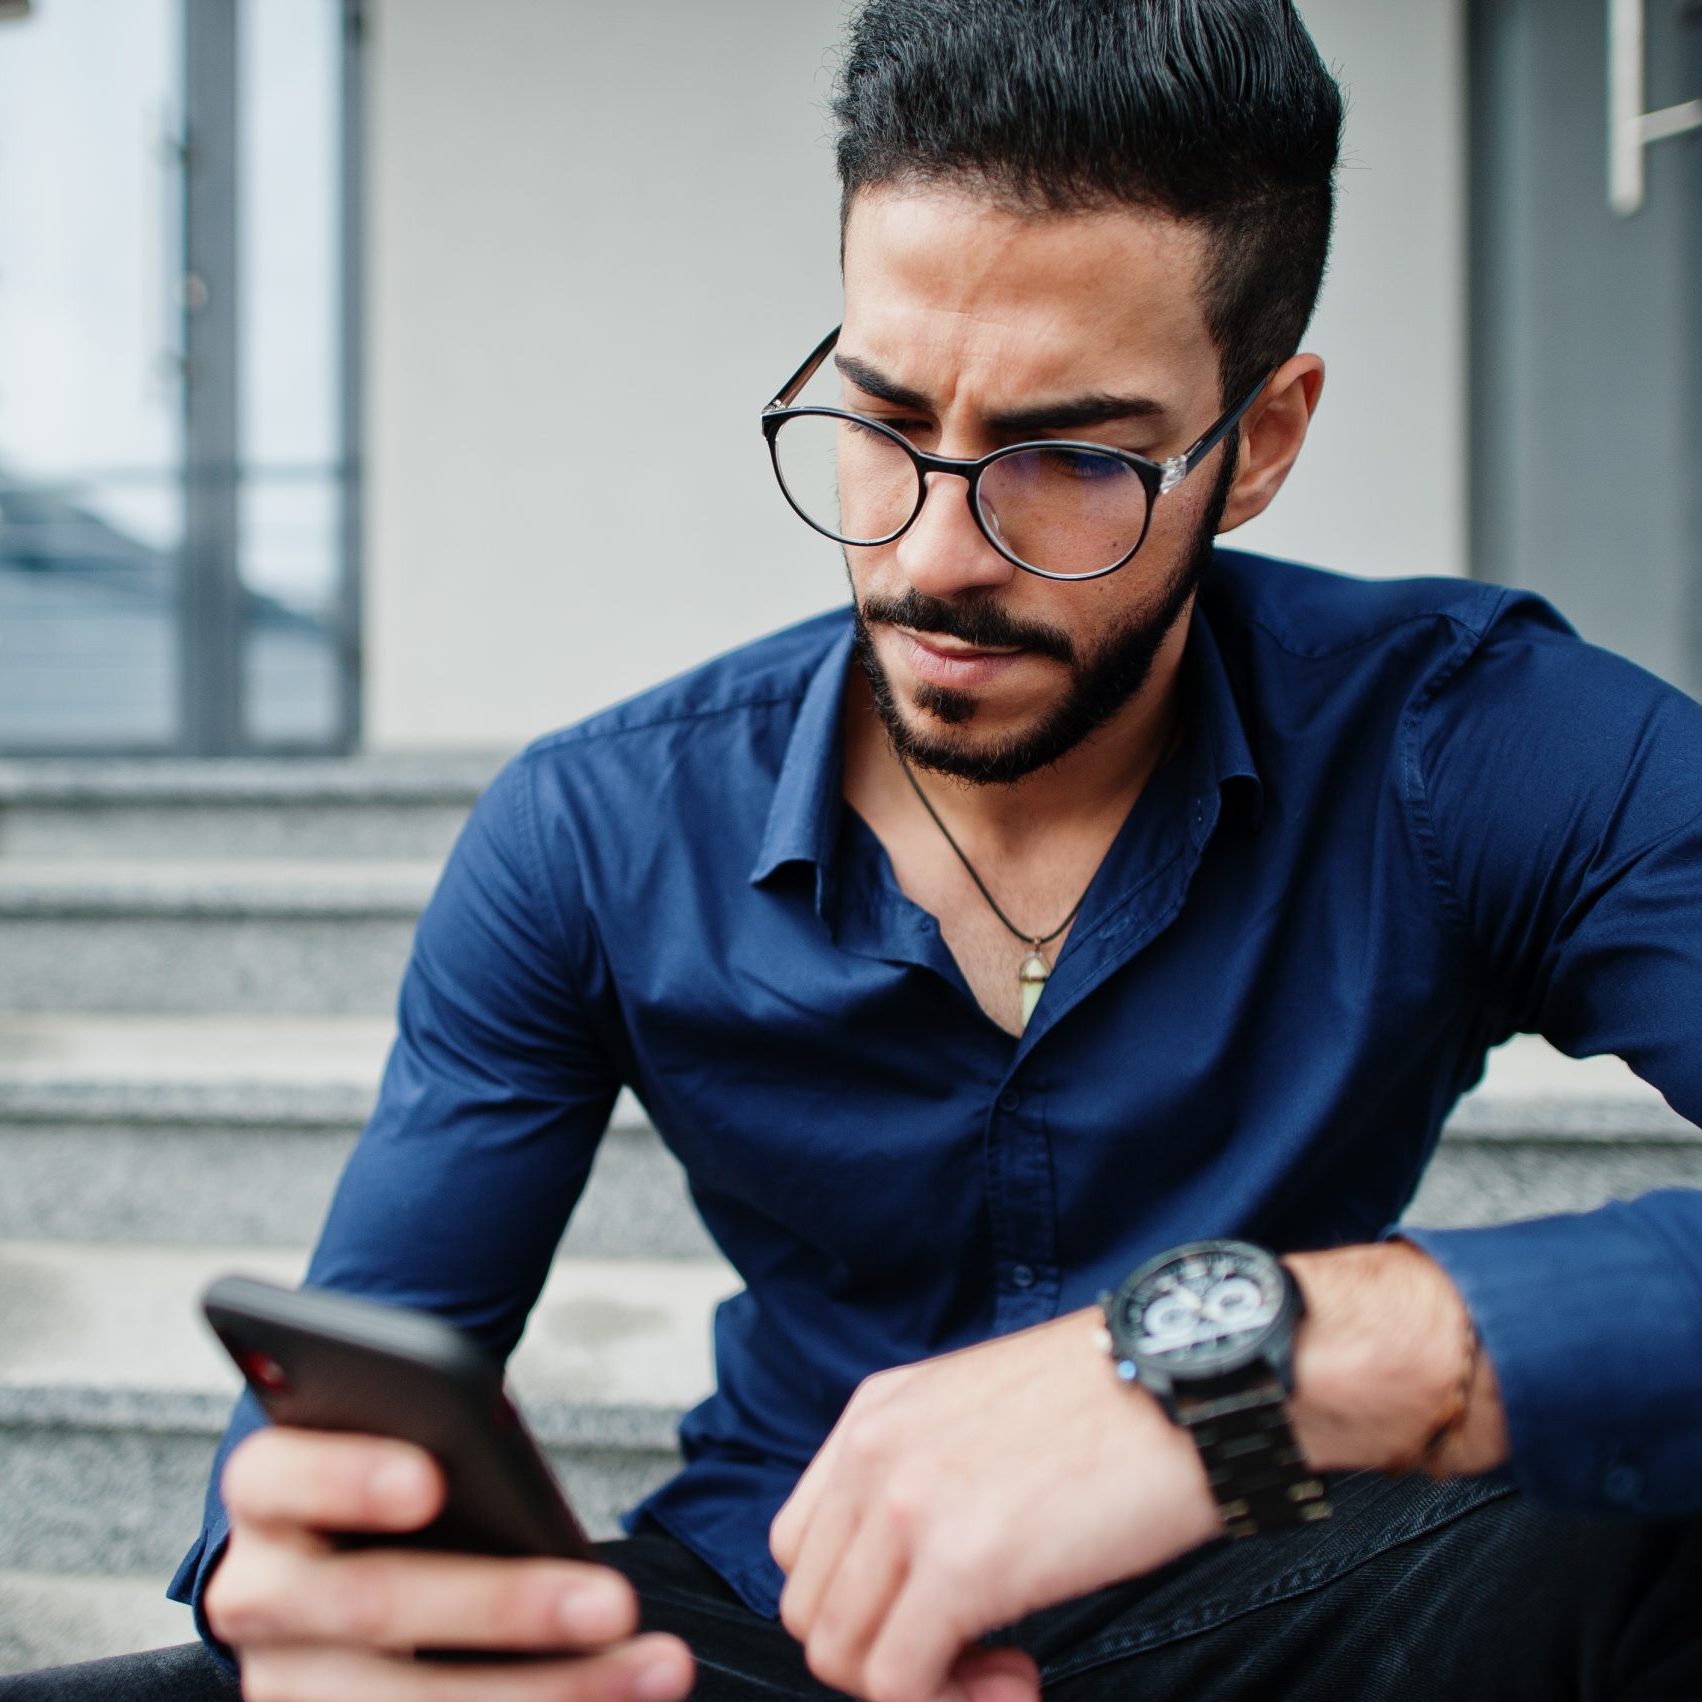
[(91, 375), (177, 291)]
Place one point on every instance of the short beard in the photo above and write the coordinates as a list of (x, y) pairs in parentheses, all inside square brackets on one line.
[(1099, 687)]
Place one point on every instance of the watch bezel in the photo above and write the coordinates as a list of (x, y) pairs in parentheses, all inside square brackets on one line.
[(1269, 1344)]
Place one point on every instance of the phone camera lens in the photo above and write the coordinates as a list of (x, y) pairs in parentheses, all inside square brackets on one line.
[(264, 1372)]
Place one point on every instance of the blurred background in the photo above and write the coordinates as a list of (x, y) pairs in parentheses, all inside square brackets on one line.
[(382, 374), (378, 389)]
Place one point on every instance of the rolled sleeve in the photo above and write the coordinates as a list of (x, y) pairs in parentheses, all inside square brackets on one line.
[(491, 1107), (1558, 791)]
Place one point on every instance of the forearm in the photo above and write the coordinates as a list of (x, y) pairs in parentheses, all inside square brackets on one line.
[(966, 1491), (1379, 1360)]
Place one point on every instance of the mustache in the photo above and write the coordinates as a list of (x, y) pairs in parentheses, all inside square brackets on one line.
[(975, 621)]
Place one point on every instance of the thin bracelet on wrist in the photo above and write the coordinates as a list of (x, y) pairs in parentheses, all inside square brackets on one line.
[(1428, 1458)]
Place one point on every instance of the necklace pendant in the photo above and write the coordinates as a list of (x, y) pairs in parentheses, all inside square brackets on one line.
[(1031, 978)]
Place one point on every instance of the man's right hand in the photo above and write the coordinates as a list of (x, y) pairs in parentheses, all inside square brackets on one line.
[(310, 1620)]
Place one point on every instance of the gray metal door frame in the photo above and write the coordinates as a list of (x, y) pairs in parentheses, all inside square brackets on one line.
[(1586, 328), (209, 603), (211, 614)]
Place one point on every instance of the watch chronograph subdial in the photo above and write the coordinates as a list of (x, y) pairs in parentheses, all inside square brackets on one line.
[(1239, 1302), (1173, 1317)]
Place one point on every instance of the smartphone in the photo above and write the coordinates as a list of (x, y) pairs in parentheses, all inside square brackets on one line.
[(323, 1361)]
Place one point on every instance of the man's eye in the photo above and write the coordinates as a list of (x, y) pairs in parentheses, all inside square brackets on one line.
[(862, 427), (869, 408), (1080, 465)]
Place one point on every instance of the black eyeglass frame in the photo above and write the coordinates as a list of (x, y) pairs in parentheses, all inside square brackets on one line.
[(1157, 477)]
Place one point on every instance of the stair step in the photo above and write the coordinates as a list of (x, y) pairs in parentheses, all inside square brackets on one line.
[(210, 1070), (269, 1186), (55, 1618), (113, 1394), (1544, 1133), (214, 887), (1473, 1183), (292, 938), (409, 807), (1530, 1090), (180, 1130)]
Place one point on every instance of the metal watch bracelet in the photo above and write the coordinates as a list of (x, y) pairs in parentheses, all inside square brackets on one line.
[(1253, 1463)]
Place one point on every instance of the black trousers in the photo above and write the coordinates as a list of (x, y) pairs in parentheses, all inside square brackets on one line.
[(1456, 1591)]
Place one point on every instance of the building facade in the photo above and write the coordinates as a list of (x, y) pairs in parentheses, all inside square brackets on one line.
[(456, 320)]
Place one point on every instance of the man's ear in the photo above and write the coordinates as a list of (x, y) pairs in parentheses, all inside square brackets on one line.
[(1271, 436)]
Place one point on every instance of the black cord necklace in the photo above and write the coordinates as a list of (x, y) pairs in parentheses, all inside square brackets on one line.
[(1036, 966)]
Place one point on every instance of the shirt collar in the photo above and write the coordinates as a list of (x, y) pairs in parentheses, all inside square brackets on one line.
[(803, 820), (1218, 751)]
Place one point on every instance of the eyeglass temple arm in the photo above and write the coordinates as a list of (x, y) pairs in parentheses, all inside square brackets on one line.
[(1191, 458), (788, 390)]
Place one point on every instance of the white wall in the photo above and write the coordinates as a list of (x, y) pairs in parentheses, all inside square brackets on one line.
[(1381, 487), (601, 236)]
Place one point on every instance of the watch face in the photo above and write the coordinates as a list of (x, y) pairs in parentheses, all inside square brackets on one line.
[(1201, 1310)]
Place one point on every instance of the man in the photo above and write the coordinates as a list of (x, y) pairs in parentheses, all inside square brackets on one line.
[(1088, 894)]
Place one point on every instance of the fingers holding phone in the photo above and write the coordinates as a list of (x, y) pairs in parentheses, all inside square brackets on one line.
[(309, 1618), (308, 1481), (400, 1508)]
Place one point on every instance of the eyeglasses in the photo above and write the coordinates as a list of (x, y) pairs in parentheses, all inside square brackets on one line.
[(1057, 507)]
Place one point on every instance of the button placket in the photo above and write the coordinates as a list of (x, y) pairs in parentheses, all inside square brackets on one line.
[(1022, 1208)]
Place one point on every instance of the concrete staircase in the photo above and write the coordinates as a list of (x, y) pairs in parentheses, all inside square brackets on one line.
[(197, 965), (197, 968)]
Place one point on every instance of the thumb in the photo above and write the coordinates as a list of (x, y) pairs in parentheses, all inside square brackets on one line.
[(996, 1675)]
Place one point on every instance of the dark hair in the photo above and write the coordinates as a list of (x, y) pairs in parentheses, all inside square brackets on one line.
[(1213, 111)]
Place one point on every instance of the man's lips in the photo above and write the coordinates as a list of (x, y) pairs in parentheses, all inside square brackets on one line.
[(945, 661), (953, 647)]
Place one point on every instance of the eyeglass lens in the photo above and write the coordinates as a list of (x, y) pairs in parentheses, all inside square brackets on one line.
[(1063, 510)]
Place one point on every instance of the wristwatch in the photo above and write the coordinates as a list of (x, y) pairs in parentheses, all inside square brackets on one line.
[(1208, 1330)]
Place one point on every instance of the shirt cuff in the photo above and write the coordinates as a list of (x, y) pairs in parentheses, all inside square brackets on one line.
[(189, 1585), (1593, 1322)]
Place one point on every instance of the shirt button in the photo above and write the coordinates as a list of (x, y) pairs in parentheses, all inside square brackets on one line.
[(1623, 1484), (1010, 1099), (1023, 1276)]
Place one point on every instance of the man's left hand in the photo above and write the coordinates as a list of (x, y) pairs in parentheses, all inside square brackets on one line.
[(957, 1495)]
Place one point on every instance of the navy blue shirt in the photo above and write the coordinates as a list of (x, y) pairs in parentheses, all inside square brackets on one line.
[(1405, 821)]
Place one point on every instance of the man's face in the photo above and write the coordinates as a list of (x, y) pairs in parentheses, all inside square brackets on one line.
[(974, 314)]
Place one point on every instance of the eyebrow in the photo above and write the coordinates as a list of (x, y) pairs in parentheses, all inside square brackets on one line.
[(1096, 408)]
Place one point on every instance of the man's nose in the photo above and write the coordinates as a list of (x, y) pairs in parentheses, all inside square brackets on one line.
[(944, 550)]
